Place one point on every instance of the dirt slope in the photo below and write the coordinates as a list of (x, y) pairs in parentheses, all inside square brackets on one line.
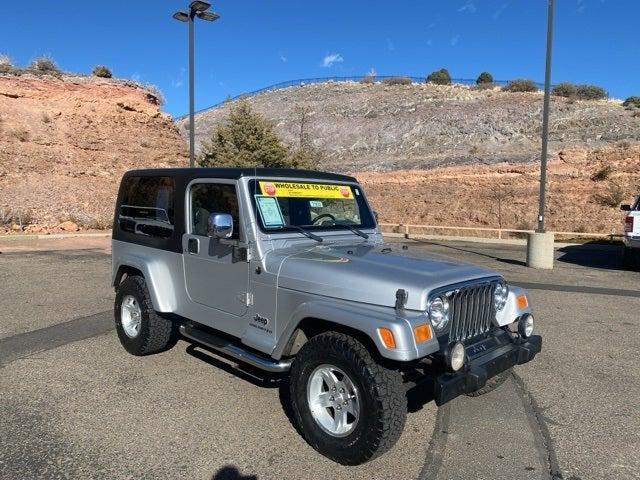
[(65, 142), (379, 127), (585, 188)]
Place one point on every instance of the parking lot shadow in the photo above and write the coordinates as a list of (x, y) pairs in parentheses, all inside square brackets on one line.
[(593, 255), (252, 375), (229, 472)]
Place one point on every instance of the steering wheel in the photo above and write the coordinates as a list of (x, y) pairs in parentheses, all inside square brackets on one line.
[(324, 215)]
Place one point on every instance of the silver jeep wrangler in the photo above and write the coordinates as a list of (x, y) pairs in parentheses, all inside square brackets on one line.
[(287, 272)]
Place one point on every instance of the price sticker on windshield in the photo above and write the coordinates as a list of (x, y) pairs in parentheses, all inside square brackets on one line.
[(305, 190)]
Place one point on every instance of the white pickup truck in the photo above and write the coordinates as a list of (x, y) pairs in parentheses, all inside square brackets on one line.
[(631, 236)]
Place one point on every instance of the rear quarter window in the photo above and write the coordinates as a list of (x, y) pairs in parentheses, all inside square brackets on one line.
[(148, 206)]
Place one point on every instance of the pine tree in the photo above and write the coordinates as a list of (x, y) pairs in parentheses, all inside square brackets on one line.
[(247, 139)]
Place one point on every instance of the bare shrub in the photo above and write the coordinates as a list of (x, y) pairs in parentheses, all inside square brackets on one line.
[(397, 81), (44, 64), (612, 197), (18, 216), (564, 89), (602, 174), (101, 71), (87, 221), (20, 134), (6, 65), (520, 85), (368, 79), (591, 92), (499, 195), (632, 102)]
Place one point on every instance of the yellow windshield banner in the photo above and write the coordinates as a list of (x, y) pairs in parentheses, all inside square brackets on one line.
[(305, 190)]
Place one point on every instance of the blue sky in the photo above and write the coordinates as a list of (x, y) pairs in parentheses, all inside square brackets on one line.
[(259, 42)]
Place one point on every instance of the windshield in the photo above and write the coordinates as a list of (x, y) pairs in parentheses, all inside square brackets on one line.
[(283, 205)]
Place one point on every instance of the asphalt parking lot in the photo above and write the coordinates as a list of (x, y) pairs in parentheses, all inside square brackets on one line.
[(74, 404)]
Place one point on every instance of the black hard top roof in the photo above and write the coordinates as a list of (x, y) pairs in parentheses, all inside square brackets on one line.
[(235, 173)]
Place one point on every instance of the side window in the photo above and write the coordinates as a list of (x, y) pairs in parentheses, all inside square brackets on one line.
[(208, 198), (148, 206)]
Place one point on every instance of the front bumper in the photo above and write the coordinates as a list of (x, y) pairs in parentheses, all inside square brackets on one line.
[(487, 359)]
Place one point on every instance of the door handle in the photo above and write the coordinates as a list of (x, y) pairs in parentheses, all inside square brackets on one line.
[(192, 245)]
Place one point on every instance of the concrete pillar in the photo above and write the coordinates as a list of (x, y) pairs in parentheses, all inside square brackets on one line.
[(540, 250)]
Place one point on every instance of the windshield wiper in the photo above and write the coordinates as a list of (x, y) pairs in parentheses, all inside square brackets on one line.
[(305, 232), (360, 233)]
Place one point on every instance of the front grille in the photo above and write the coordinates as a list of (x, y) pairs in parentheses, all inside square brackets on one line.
[(471, 310)]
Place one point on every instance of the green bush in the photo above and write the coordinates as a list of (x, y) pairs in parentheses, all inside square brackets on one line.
[(591, 92), (631, 102), (101, 71), (397, 81), (439, 77), (579, 92), (484, 77), (44, 65), (520, 85), (564, 89)]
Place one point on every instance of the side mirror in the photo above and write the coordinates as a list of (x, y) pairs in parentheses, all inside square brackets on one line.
[(220, 225), (625, 207), (375, 216)]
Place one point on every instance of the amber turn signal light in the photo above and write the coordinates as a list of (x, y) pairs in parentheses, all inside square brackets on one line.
[(422, 333), (522, 302), (387, 337)]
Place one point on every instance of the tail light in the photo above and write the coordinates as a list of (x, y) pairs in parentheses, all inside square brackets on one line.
[(628, 224)]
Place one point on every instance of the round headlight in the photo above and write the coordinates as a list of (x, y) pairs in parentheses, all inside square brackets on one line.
[(500, 296), (526, 325), (456, 357), (439, 312)]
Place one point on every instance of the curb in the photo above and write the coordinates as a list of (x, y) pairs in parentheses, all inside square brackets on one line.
[(54, 236)]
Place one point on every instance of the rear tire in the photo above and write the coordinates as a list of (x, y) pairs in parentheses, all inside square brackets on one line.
[(374, 394), (492, 384), (141, 330)]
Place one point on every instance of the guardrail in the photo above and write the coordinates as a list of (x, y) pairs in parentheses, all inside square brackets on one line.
[(307, 81), (404, 230)]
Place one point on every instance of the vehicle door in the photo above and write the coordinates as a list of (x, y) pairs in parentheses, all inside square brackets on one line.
[(214, 276)]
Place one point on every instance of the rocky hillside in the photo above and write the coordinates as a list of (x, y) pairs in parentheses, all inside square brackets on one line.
[(388, 127), (584, 191), (65, 142)]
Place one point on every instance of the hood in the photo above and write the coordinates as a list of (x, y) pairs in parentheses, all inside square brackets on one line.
[(372, 273)]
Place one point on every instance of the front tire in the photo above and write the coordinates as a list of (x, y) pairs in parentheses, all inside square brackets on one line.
[(141, 330), (347, 406)]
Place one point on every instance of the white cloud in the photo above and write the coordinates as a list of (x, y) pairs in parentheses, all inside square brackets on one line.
[(454, 40), (178, 83), (499, 11), (469, 6), (390, 46), (330, 59), (283, 59)]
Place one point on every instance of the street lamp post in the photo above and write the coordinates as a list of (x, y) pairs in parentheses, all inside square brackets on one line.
[(545, 119), (196, 9), (540, 243)]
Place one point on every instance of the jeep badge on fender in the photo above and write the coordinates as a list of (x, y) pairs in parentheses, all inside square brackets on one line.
[(287, 271)]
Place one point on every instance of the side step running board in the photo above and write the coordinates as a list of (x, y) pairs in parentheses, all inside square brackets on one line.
[(235, 351)]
